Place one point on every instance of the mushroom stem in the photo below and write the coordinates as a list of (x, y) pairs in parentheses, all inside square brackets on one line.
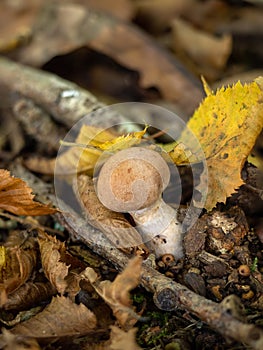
[(160, 229)]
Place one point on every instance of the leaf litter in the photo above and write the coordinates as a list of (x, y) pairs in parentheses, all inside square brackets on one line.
[(223, 260)]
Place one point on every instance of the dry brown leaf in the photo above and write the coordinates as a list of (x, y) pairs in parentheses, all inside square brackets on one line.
[(207, 52), (116, 293), (119, 340), (14, 342), (156, 15), (61, 318), (40, 165), (116, 227), (55, 270), (17, 198), (123, 340), (122, 9), (17, 263), (29, 295), (16, 20)]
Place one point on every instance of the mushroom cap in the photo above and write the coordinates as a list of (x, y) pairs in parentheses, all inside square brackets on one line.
[(132, 179)]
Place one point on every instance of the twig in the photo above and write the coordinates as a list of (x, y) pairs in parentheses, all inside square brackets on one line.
[(64, 100), (168, 294), (32, 223)]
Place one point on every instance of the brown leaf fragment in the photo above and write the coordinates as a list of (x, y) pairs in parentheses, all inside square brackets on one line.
[(194, 240), (29, 295), (123, 340), (116, 293), (156, 15), (195, 282), (17, 198), (14, 342), (17, 264), (115, 225), (40, 165), (16, 20), (208, 53), (61, 318), (122, 9), (55, 270)]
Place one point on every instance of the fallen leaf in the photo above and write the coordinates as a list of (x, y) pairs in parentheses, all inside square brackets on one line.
[(156, 15), (55, 270), (116, 293), (123, 340), (119, 340), (61, 318), (16, 197), (208, 53), (90, 144), (115, 225), (17, 263), (21, 14), (29, 295), (122, 9), (226, 124), (123, 141), (14, 342), (79, 156), (40, 164)]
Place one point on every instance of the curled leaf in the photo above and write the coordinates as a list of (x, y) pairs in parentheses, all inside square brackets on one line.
[(90, 144), (116, 293), (115, 226), (55, 270), (29, 295), (17, 263), (124, 141)]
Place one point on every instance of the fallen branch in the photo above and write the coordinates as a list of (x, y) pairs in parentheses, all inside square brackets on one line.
[(168, 295), (63, 100)]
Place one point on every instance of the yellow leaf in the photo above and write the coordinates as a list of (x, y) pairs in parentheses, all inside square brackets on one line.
[(207, 88), (123, 141), (226, 124), (90, 144), (181, 154), (2, 257), (79, 157), (85, 159)]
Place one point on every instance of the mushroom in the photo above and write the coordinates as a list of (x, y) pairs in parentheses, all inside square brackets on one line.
[(132, 181)]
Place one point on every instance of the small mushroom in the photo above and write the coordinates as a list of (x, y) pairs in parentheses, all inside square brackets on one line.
[(132, 181)]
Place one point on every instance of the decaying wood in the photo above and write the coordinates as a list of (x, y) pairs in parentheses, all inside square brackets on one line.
[(168, 294), (64, 101)]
